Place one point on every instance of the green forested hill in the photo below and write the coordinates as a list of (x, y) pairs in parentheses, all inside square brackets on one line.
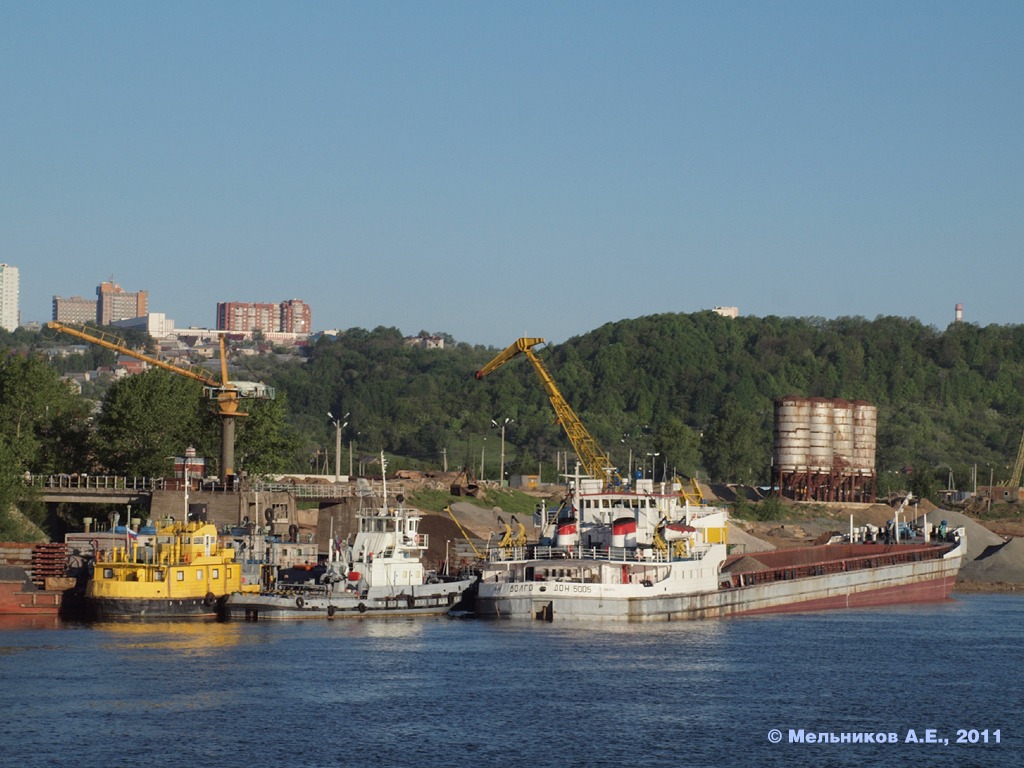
[(697, 389)]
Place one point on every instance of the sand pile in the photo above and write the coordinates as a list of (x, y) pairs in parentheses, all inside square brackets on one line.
[(1004, 565), (979, 538), (741, 541)]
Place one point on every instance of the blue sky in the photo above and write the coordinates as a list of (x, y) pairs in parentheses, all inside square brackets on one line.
[(492, 170)]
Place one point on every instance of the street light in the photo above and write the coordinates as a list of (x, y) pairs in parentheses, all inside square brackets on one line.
[(501, 477), (654, 459), (338, 425)]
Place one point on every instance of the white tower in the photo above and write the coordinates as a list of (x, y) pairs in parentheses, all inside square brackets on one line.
[(9, 318)]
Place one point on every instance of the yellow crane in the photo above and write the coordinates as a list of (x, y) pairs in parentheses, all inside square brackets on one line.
[(224, 392), (595, 461), (1018, 468)]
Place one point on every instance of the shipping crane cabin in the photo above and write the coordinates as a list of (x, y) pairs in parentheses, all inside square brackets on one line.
[(594, 460), (225, 393)]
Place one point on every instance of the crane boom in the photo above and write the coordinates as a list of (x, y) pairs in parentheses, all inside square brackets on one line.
[(224, 392), (595, 461), (98, 337)]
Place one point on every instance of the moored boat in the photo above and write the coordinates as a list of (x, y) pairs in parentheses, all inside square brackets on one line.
[(632, 554), (19, 596), (182, 571), (380, 574)]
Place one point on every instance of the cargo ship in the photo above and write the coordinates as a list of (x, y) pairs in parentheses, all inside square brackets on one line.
[(182, 571), (631, 554), (380, 573)]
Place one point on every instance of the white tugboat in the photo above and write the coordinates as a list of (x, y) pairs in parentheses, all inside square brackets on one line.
[(380, 573)]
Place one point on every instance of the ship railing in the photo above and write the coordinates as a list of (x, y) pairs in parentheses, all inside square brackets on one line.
[(830, 567), (605, 554)]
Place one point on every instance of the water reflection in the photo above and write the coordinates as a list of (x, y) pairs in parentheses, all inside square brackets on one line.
[(195, 638), (17, 623)]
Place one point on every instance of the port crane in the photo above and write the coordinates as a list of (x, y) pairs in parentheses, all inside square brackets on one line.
[(595, 461), (226, 394), (1018, 468)]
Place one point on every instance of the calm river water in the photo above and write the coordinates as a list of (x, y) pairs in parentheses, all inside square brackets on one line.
[(449, 692)]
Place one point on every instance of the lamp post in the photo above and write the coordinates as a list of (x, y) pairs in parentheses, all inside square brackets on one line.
[(654, 459), (338, 425), (502, 425)]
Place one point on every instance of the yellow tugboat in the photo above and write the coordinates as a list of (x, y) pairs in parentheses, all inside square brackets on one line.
[(181, 572)]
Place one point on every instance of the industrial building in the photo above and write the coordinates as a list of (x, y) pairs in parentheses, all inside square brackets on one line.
[(824, 450)]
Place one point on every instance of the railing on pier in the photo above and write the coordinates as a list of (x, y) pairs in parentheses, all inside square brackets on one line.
[(322, 490), (84, 482), (95, 482)]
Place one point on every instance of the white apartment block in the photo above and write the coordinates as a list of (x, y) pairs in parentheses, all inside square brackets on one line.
[(9, 314)]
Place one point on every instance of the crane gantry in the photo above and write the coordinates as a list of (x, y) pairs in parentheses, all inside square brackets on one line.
[(225, 393), (594, 460)]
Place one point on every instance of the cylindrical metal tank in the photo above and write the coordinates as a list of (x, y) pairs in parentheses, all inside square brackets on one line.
[(821, 435), (865, 425), (842, 435), (792, 434)]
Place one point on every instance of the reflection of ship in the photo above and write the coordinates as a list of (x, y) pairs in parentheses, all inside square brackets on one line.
[(381, 573), (182, 572), (637, 555)]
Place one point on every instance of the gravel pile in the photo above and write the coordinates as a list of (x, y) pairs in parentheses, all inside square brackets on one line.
[(979, 538), (1005, 565), (741, 541)]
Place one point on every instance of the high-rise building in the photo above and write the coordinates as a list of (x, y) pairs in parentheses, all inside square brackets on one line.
[(292, 316), (296, 317), (114, 303), (74, 310), (248, 317), (10, 317)]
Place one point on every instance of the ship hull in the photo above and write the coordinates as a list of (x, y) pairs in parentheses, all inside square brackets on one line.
[(430, 599), (15, 600), (115, 608), (904, 582)]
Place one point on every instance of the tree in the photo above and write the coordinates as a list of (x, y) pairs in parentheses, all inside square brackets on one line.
[(147, 417), (38, 414), (265, 443), (735, 447)]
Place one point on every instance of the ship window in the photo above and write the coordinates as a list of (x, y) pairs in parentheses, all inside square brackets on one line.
[(108, 573), (180, 575), (215, 573), (199, 574), (158, 575)]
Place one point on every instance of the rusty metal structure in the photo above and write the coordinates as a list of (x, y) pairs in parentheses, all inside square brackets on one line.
[(824, 450)]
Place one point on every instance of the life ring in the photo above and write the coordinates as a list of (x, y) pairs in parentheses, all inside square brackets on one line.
[(330, 610), (362, 607), (209, 600), (300, 602)]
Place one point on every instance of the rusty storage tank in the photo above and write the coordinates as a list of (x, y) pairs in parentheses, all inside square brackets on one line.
[(792, 434), (842, 435), (821, 435), (865, 426)]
